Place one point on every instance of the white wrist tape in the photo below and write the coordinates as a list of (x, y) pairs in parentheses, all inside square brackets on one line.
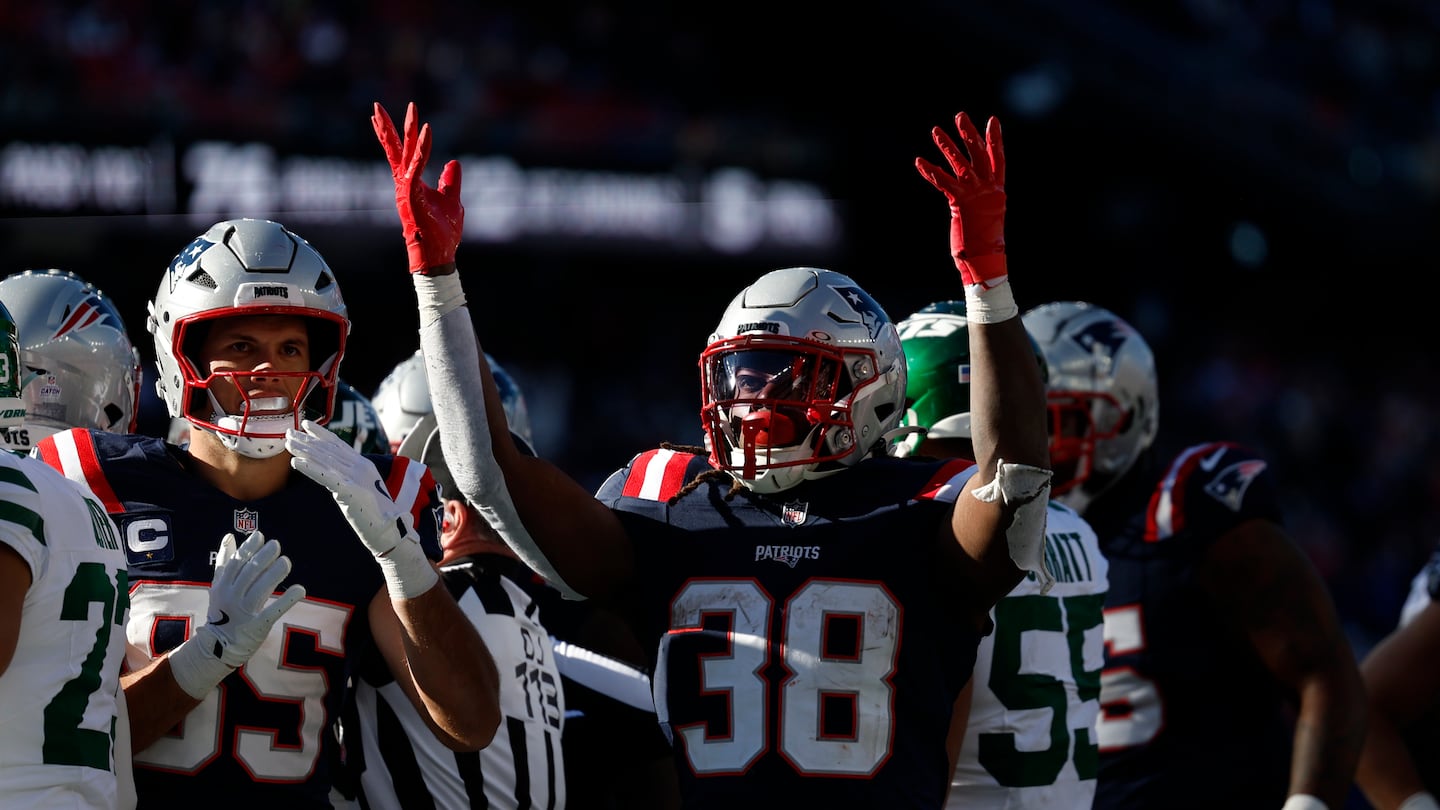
[(992, 305), (437, 295), (1420, 801), (1303, 801), (408, 572), (1027, 490), (196, 670)]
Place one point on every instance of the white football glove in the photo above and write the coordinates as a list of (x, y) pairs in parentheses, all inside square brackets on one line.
[(239, 618), (383, 525)]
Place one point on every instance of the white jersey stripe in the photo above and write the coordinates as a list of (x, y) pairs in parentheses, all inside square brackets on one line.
[(655, 474)]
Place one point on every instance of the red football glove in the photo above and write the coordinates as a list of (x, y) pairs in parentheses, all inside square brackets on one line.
[(977, 199), (433, 219)]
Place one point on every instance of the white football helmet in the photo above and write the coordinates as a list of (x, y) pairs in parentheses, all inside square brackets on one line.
[(1103, 392), (78, 366), (246, 267), (403, 399), (803, 377)]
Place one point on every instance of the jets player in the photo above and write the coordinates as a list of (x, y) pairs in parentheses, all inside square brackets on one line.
[(63, 605), (1025, 724)]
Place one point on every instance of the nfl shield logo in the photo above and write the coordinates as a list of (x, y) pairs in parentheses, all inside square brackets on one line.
[(246, 520), (793, 514)]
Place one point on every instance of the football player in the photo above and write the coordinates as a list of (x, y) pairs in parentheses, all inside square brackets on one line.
[(815, 603), (63, 604), (250, 328), (78, 366), (1217, 626), (1024, 728)]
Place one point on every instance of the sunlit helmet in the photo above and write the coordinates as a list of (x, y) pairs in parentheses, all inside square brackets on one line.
[(246, 267), (12, 405), (803, 377), (1104, 397), (936, 340), (403, 398), (78, 367)]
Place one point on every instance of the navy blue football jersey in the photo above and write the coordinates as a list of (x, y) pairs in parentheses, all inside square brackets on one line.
[(264, 737), (809, 644), (1190, 716)]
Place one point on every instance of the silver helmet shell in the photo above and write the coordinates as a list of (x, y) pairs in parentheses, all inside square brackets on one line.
[(1103, 396), (803, 377), (402, 400), (78, 365), (245, 267)]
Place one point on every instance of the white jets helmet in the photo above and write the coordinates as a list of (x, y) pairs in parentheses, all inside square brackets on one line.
[(246, 267), (803, 377), (1104, 396), (402, 400), (78, 367)]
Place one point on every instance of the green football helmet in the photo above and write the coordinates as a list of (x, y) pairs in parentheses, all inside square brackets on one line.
[(356, 421), (937, 361), (12, 405)]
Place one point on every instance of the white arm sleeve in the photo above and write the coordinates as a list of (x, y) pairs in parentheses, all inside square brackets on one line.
[(452, 360)]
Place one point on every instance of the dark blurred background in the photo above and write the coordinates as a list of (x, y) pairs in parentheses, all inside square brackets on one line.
[(1255, 185)]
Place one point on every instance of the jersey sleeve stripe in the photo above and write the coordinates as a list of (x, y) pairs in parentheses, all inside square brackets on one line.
[(656, 475), (946, 484), (406, 486), (72, 452), (12, 511)]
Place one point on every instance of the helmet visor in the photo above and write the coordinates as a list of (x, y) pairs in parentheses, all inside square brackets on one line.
[(775, 396)]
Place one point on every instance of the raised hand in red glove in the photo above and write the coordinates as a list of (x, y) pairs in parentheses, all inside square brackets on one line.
[(433, 219), (977, 199)]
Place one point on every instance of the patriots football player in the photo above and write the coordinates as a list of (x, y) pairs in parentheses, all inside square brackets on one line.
[(226, 702), (1218, 628), (814, 603), (78, 366)]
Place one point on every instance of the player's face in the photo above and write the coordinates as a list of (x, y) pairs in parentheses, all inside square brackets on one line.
[(264, 351)]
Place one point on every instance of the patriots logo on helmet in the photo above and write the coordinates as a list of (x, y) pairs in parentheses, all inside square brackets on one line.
[(1229, 486), (186, 259), (870, 312), (90, 311), (1109, 333)]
